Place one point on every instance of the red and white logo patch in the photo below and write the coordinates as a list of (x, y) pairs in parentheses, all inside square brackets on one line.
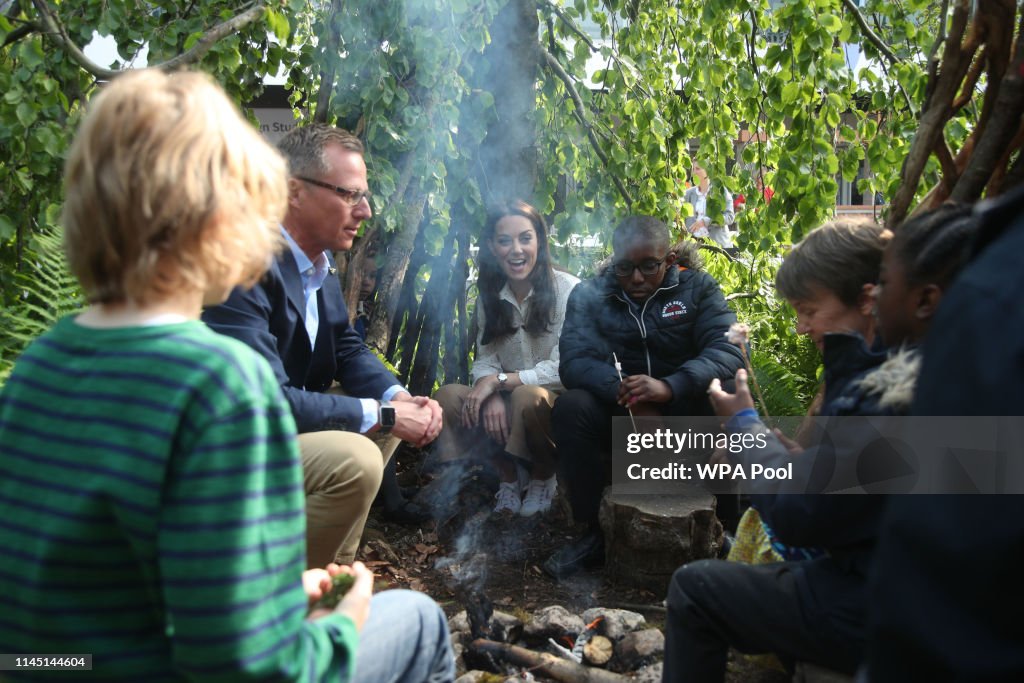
[(673, 309)]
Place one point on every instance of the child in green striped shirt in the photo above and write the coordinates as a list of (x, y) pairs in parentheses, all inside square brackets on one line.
[(151, 502)]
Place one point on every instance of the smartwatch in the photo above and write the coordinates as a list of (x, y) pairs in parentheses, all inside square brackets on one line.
[(386, 416), (502, 379)]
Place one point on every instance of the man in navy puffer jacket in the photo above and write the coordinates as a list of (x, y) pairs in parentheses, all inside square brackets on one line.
[(665, 320)]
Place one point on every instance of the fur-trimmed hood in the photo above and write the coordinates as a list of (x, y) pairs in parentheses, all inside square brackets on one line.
[(688, 252), (893, 381)]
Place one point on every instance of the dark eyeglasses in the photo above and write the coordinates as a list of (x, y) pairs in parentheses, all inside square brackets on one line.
[(626, 268), (351, 197)]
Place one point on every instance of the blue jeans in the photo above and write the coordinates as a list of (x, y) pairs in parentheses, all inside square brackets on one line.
[(405, 640)]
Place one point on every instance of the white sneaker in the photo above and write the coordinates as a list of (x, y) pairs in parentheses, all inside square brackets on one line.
[(538, 496), (508, 498)]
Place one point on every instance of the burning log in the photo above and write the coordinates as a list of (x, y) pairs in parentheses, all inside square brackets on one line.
[(548, 665)]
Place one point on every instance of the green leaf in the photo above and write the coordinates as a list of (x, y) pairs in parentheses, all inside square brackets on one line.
[(830, 23), (790, 92), (851, 166), (52, 214), (31, 53), (278, 24), (868, 128), (7, 229), (26, 114), (192, 40)]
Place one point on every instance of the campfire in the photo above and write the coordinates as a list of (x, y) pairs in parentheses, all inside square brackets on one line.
[(558, 645), (602, 644), (597, 649)]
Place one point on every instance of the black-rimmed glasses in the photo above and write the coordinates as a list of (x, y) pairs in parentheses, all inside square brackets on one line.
[(351, 197), (626, 268)]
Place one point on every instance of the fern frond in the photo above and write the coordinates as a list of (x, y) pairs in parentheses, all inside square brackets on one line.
[(785, 392), (46, 293)]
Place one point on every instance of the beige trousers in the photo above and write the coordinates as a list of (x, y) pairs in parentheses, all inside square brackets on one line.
[(529, 413), (341, 474)]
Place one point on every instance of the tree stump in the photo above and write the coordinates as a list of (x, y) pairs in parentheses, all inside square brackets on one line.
[(647, 537)]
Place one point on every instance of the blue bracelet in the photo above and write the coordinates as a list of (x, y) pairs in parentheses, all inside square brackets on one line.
[(743, 420)]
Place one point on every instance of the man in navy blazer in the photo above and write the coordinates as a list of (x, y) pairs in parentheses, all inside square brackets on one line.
[(297, 319)]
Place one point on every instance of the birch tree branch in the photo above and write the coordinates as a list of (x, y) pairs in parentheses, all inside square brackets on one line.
[(872, 37), (580, 111), (54, 30)]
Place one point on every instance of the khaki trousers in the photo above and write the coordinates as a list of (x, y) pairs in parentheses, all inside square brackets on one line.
[(341, 474), (529, 414)]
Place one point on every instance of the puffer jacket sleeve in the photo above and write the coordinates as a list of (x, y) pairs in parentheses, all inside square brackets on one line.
[(586, 361), (717, 358)]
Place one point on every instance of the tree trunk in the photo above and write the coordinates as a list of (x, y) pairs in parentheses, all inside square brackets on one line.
[(983, 162), (666, 531), (434, 308), (1001, 128), (405, 327), (323, 99), (379, 332), (411, 195), (456, 348)]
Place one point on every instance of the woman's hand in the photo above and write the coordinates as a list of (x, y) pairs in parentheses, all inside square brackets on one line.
[(495, 418), (481, 391)]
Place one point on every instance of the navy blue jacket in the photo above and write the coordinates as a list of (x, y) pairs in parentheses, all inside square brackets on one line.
[(270, 318), (946, 587), (846, 526), (677, 335)]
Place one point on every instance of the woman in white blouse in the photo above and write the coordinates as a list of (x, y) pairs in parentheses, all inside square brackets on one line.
[(520, 311)]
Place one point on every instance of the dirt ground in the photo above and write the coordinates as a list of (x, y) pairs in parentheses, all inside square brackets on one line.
[(468, 551)]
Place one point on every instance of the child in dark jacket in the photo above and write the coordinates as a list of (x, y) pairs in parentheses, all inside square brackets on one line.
[(664, 319), (813, 609), (945, 594)]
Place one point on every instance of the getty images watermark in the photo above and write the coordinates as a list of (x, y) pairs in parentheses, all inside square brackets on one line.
[(849, 455)]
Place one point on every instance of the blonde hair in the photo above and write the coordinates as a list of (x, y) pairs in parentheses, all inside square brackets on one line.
[(167, 189)]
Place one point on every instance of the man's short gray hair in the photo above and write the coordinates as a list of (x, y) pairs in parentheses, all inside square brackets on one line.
[(303, 147)]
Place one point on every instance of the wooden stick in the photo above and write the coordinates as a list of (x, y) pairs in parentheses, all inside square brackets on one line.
[(546, 664), (618, 369)]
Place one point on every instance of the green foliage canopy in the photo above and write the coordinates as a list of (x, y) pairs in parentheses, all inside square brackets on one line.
[(627, 95)]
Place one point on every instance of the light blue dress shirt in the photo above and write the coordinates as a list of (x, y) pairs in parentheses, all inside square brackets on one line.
[(313, 274)]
